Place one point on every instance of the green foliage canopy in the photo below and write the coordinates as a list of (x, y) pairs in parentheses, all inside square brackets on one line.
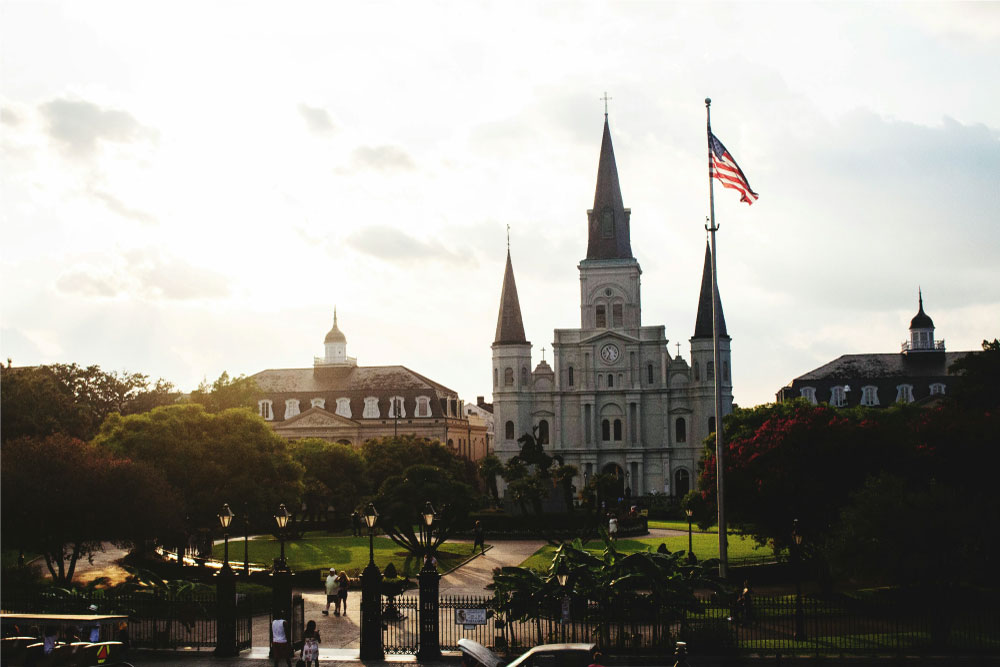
[(210, 459)]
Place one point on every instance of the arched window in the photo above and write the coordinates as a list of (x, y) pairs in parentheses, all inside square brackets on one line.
[(680, 430), (371, 408), (649, 373), (543, 432), (808, 393), (869, 395), (607, 224), (697, 372), (838, 397), (264, 409), (605, 430), (611, 380), (524, 376), (709, 370), (904, 393), (616, 315), (602, 317), (508, 377), (725, 371), (291, 407), (569, 375), (937, 388), (508, 430), (618, 430), (397, 407), (318, 403), (711, 424), (496, 373)]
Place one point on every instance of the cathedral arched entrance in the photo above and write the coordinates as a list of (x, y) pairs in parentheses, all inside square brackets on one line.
[(615, 482), (682, 482)]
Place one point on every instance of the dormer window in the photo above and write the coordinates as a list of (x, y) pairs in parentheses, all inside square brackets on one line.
[(869, 395), (937, 389), (424, 407), (318, 403), (904, 393), (838, 397), (344, 407), (371, 408), (808, 393), (264, 409), (397, 408), (291, 407)]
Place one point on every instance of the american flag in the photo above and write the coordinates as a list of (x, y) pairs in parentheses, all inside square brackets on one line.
[(725, 169)]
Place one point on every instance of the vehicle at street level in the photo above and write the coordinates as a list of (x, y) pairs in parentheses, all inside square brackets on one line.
[(475, 654)]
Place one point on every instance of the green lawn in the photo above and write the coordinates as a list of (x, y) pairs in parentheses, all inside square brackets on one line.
[(706, 545), (323, 551), (681, 525)]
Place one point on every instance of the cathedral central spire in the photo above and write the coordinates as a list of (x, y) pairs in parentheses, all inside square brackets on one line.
[(608, 229)]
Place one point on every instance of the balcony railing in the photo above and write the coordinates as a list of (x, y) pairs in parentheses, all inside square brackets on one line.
[(937, 346)]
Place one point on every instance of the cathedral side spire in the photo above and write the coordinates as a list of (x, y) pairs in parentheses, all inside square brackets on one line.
[(510, 327), (703, 321), (608, 229)]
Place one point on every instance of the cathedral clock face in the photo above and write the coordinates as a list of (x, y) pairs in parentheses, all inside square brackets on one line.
[(609, 353)]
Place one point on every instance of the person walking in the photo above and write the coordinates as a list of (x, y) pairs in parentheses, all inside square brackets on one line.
[(343, 582), (281, 646), (480, 538), (331, 590), (310, 645)]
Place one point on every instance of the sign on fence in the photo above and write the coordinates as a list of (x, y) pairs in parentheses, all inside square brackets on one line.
[(470, 618)]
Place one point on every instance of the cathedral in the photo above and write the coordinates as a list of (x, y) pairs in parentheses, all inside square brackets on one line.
[(614, 401)]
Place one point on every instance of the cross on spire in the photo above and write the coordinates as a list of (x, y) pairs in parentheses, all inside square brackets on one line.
[(543, 353), (678, 349), (605, 99)]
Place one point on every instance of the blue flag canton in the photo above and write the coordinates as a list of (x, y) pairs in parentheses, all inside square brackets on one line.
[(717, 148)]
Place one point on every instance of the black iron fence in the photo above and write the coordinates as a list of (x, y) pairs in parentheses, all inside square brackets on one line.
[(839, 625), (156, 619)]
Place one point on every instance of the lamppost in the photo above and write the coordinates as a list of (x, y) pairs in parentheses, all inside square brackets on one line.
[(371, 597), (428, 580), (628, 489), (281, 606), (690, 512), (225, 644), (800, 626), (246, 540), (281, 518), (562, 576), (226, 518)]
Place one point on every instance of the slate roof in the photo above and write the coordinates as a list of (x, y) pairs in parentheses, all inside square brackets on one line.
[(875, 366), (608, 196), (353, 382), (510, 328), (703, 320)]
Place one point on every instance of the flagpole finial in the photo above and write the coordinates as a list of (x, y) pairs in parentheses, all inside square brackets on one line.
[(708, 101)]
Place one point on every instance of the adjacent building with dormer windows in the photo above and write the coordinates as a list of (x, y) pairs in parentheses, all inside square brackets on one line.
[(918, 372), (613, 401), (340, 401)]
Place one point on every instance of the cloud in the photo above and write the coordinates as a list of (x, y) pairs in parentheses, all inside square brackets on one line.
[(8, 117), (382, 158), (77, 125), (145, 273), (117, 206), (395, 246), (317, 119)]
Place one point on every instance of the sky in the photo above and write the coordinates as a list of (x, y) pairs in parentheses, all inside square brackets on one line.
[(188, 188)]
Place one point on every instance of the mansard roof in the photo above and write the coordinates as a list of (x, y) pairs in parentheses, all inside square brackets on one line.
[(874, 366), (510, 328), (601, 242), (703, 321)]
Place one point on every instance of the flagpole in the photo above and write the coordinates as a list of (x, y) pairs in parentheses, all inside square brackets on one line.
[(717, 375)]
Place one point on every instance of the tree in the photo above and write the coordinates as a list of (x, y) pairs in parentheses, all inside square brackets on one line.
[(70, 399), (63, 497), (334, 473), (226, 393), (210, 459), (392, 455), (401, 501), (977, 387)]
